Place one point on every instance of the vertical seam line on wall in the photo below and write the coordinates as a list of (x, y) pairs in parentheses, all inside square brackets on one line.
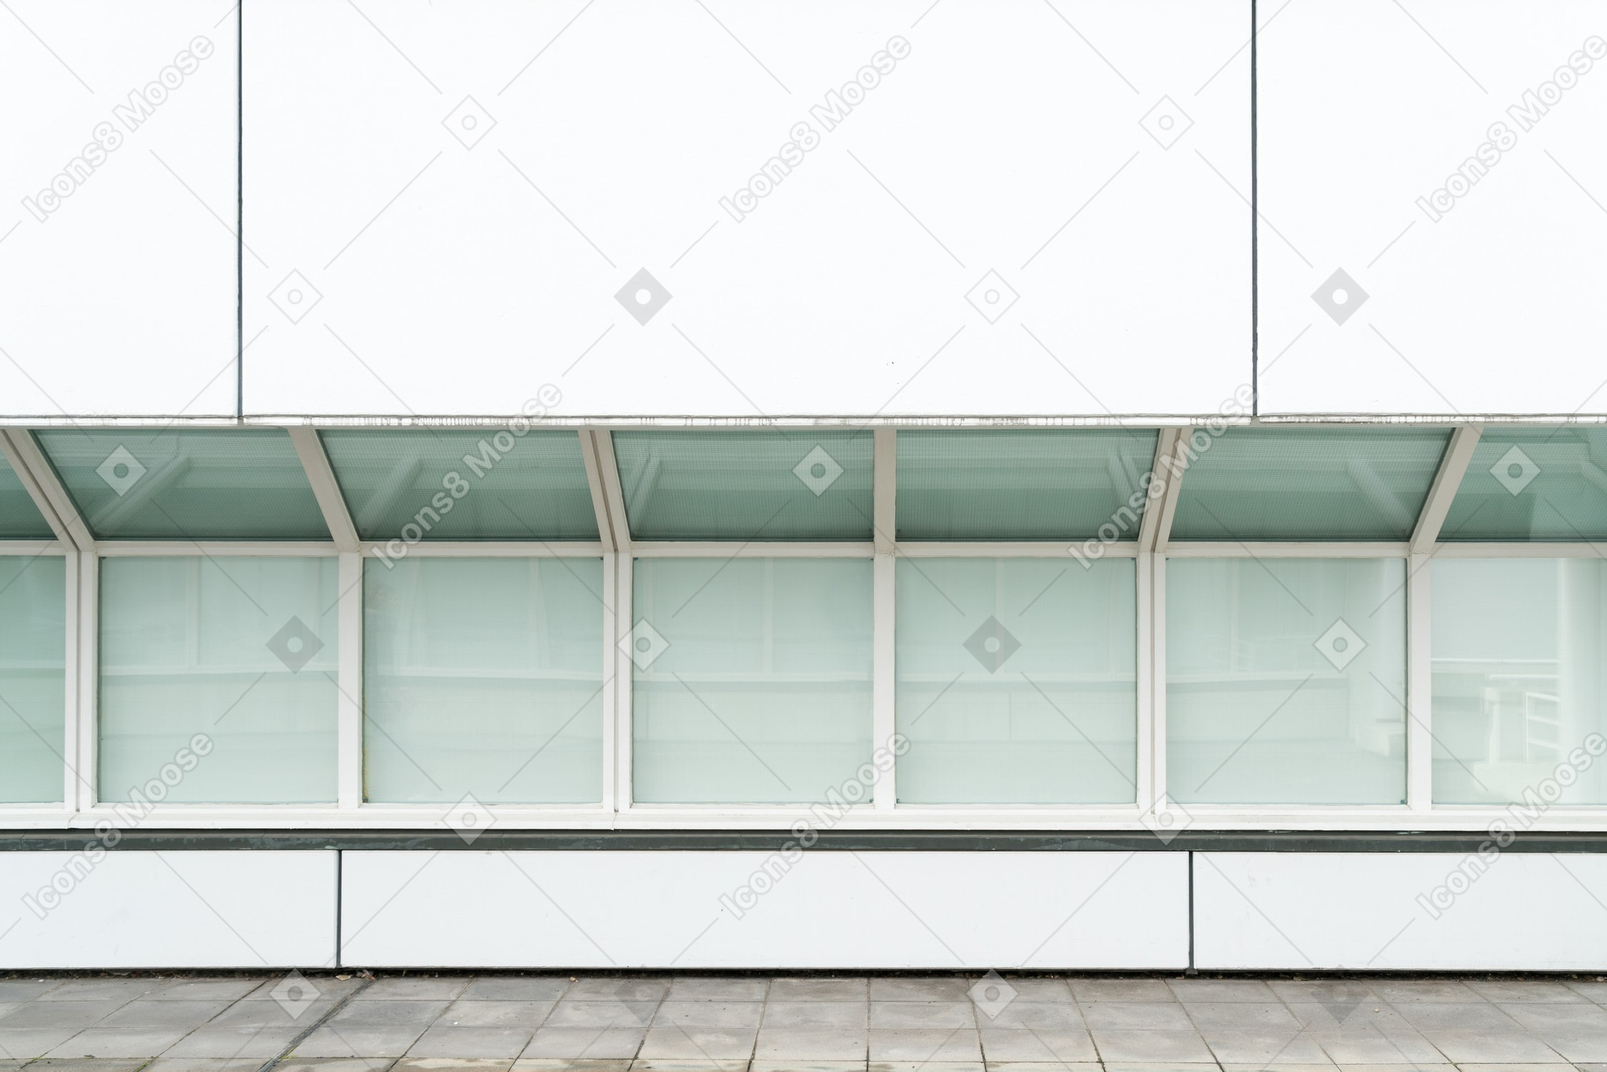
[(239, 212), (1255, 216), (1191, 910), (340, 877)]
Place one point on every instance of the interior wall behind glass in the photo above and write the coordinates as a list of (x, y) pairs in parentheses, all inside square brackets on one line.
[(1017, 681), (33, 678), (1519, 688), (242, 650), (752, 678), (1286, 681), (483, 676)]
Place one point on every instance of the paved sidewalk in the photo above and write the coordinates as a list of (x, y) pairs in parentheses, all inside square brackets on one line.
[(614, 1023)]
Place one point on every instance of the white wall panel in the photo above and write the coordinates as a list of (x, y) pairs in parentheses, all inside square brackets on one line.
[(1363, 912), (139, 909), (120, 300), (941, 910), (1365, 106), (445, 274)]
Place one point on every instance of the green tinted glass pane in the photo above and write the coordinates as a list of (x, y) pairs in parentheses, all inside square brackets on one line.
[(33, 677), (792, 485), (197, 484), (1021, 485), (1308, 483), (20, 519), (1533, 484), (481, 484)]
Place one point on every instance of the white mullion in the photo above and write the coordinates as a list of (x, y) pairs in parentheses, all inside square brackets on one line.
[(485, 549), (215, 549), (1419, 684), (1157, 671), (624, 619), (1447, 479), (1149, 529), (70, 793), (752, 549), (349, 676), (325, 488), (613, 665), (884, 528), (22, 451), (1011, 549), (85, 731), (1145, 670), (1289, 549), (613, 492)]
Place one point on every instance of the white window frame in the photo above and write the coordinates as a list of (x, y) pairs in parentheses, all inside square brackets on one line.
[(1152, 549)]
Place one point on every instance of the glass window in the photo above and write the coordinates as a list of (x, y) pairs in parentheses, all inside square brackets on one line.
[(781, 485), (1343, 483), (1519, 651), (1533, 484), (484, 676), (1017, 681), (477, 484), (752, 678), (33, 678), (1286, 681), (20, 519), (1021, 485), (195, 484), (239, 649)]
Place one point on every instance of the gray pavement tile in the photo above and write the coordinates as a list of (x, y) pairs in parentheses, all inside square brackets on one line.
[(219, 989), (58, 1014), (1047, 1044), (1120, 990), (233, 1042), (1166, 1045), (805, 1065), (1463, 1045), (614, 988), (148, 1012), (1053, 991), (1524, 990), (1538, 1017), (118, 990), (816, 1014), (694, 1043), (1136, 1016), (381, 1011), (851, 988), (585, 1042), (1577, 1046), (600, 1014), (87, 1064), (1291, 1047), (331, 1064), (1037, 1015), (1418, 991), (717, 988), (1482, 1016), (202, 1064), (119, 1042), (561, 1064), (413, 987), (507, 1042), (1241, 1015), (721, 1014), (812, 1043), (1220, 990), (451, 1064), (25, 989), (348, 1040), (516, 988), (920, 988), (922, 1014), (466, 1013), (925, 1044)]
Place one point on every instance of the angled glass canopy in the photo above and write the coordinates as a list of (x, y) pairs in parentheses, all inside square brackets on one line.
[(401, 484), (1032, 484), (1533, 484), (192, 484), (743, 485), (1329, 484), (20, 519)]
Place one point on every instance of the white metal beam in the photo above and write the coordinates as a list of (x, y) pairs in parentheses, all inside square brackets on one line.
[(39, 478), (884, 528), (602, 472), (325, 488), (1171, 459), (1149, 528), (1453, 467)]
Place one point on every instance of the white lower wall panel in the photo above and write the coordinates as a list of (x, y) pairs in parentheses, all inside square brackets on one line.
[(601, 909), (138, 909), (1400, 911)]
